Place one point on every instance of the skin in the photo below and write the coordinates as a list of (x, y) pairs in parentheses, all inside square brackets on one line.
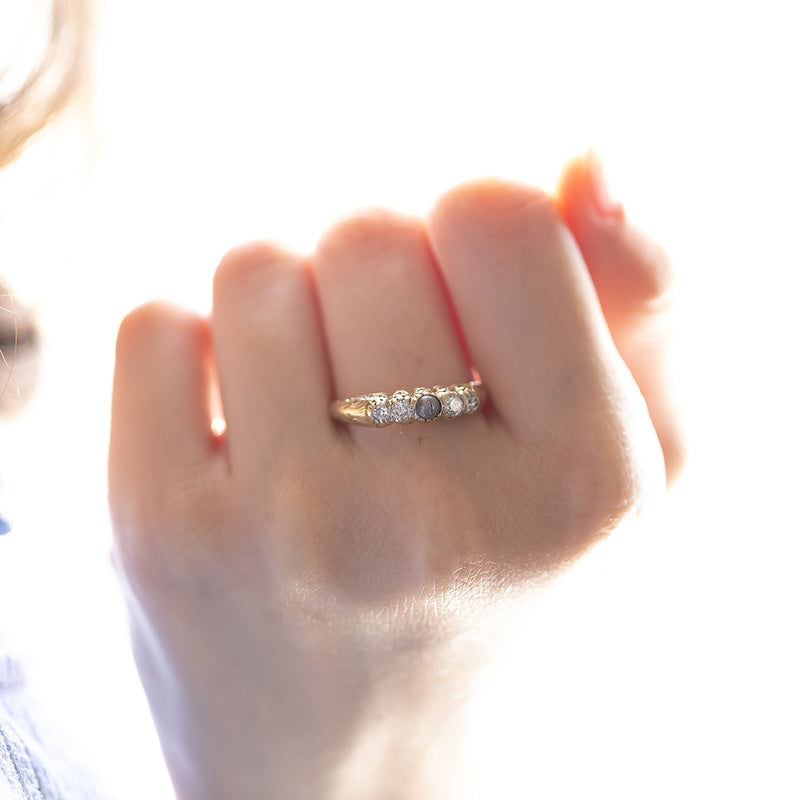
[(309, 601)]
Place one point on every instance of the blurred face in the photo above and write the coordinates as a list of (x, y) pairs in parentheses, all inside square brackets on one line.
[(19, 352), (43, 64)]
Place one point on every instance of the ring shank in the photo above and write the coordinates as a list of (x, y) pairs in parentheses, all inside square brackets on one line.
[(378, 410)]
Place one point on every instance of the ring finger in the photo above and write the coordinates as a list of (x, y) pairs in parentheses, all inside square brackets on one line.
[(385, 312)]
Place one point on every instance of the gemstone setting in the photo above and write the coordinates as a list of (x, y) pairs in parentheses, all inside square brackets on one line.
[(379, 410), (428, 406), (471, 400), (453, 404), (401, 409), (423, 404)]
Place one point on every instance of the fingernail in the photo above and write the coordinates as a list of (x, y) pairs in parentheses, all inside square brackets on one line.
[(601, 197)]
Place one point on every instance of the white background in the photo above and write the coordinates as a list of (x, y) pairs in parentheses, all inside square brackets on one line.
[(674, 665)]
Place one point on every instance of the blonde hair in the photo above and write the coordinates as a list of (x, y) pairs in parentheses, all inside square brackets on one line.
[(59, 75), (51, 85)]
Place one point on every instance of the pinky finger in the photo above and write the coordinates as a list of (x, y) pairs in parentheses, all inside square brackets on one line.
[(161, 406)]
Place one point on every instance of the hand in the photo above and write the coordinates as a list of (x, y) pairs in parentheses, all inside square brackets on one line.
[(309, 600)]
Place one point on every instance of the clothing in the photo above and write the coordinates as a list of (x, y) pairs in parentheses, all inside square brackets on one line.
[(36, 761), (34, 764)]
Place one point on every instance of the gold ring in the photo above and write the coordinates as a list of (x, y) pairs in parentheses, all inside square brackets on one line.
[(379, 409)]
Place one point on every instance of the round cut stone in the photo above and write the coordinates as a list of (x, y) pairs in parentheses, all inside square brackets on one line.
[(380, 414), (401, 410), (453, 404), (471, 400), (428, 407)]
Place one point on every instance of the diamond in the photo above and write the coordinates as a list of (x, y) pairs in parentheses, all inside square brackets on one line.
[(380, 414), (471, 400), (401, 409), (453, 404)]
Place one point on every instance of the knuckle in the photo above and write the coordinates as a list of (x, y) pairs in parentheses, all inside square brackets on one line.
[(601, 464), (650, 280), (500, 205), (613, 473), (144, 323), (245, 269), (368, 236), (154, 328)]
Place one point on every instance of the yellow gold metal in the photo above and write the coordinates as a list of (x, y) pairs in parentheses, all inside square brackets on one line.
[(423, 404)]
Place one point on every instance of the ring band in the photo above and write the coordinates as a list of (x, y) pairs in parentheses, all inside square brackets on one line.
[(378, 410)]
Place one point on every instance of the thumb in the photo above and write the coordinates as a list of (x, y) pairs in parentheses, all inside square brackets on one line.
[(633, 279)]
